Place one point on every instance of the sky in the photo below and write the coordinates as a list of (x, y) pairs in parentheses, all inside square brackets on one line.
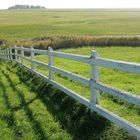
[(74, 3)]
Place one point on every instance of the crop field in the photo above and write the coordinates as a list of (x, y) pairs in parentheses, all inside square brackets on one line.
[(29, 24), (33, 109)]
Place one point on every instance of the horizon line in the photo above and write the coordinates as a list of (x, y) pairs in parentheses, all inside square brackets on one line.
[(105, 8)]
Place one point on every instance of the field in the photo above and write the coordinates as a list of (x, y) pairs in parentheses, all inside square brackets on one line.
[(32, 109), (22, 114), (125, 81), (16, 25), (49, 114)]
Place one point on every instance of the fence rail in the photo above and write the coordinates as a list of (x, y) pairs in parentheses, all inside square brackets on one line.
[(93, 83)]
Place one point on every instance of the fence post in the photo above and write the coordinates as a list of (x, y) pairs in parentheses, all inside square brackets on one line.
[(32, 58), (22, 55), (9, 53), (3, 54), (51, 63), (95, 76), (6, 51), (15, 48), (11, 56)]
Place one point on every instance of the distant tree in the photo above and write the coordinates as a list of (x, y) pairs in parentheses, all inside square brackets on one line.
[(24, 7)]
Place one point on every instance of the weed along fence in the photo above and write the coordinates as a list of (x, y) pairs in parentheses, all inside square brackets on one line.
[(18, 53)]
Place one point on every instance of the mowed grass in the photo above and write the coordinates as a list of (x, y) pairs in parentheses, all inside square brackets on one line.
[(31, 109), (16, 25), (123, 80), (23, 115)]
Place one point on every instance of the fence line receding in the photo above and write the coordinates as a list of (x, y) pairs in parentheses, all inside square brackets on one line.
[(13, 54)]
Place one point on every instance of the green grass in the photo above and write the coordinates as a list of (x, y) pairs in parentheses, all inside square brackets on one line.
[(22, 114), (32, 109), (118, 79), (16, 25)]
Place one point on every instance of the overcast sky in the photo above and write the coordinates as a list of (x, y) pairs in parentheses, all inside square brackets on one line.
[(74, 3)]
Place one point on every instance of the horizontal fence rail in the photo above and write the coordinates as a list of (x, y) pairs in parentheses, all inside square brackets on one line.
[(118, 93), (19, 53), (119, 65)]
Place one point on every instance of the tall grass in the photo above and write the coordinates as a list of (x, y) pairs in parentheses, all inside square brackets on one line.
[(58, 42), (2, 41)]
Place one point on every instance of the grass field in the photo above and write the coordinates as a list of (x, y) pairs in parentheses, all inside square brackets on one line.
[(16, 25), (122, 80), (22, 114), (32, 109)]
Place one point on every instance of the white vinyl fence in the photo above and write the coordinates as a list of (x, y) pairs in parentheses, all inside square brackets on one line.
[(94, 82)]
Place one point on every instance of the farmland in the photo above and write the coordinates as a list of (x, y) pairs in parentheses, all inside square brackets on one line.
[(32, 109), (122, 80), (29, 24), (22, 93)]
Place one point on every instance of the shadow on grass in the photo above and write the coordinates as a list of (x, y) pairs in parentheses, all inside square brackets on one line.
[(73, 117), (23, 105), (10, 119)]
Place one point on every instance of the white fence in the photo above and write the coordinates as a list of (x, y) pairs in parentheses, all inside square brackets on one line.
[(94, 82)]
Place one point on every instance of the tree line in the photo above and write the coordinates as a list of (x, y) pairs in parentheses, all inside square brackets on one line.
[(26, 7)]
